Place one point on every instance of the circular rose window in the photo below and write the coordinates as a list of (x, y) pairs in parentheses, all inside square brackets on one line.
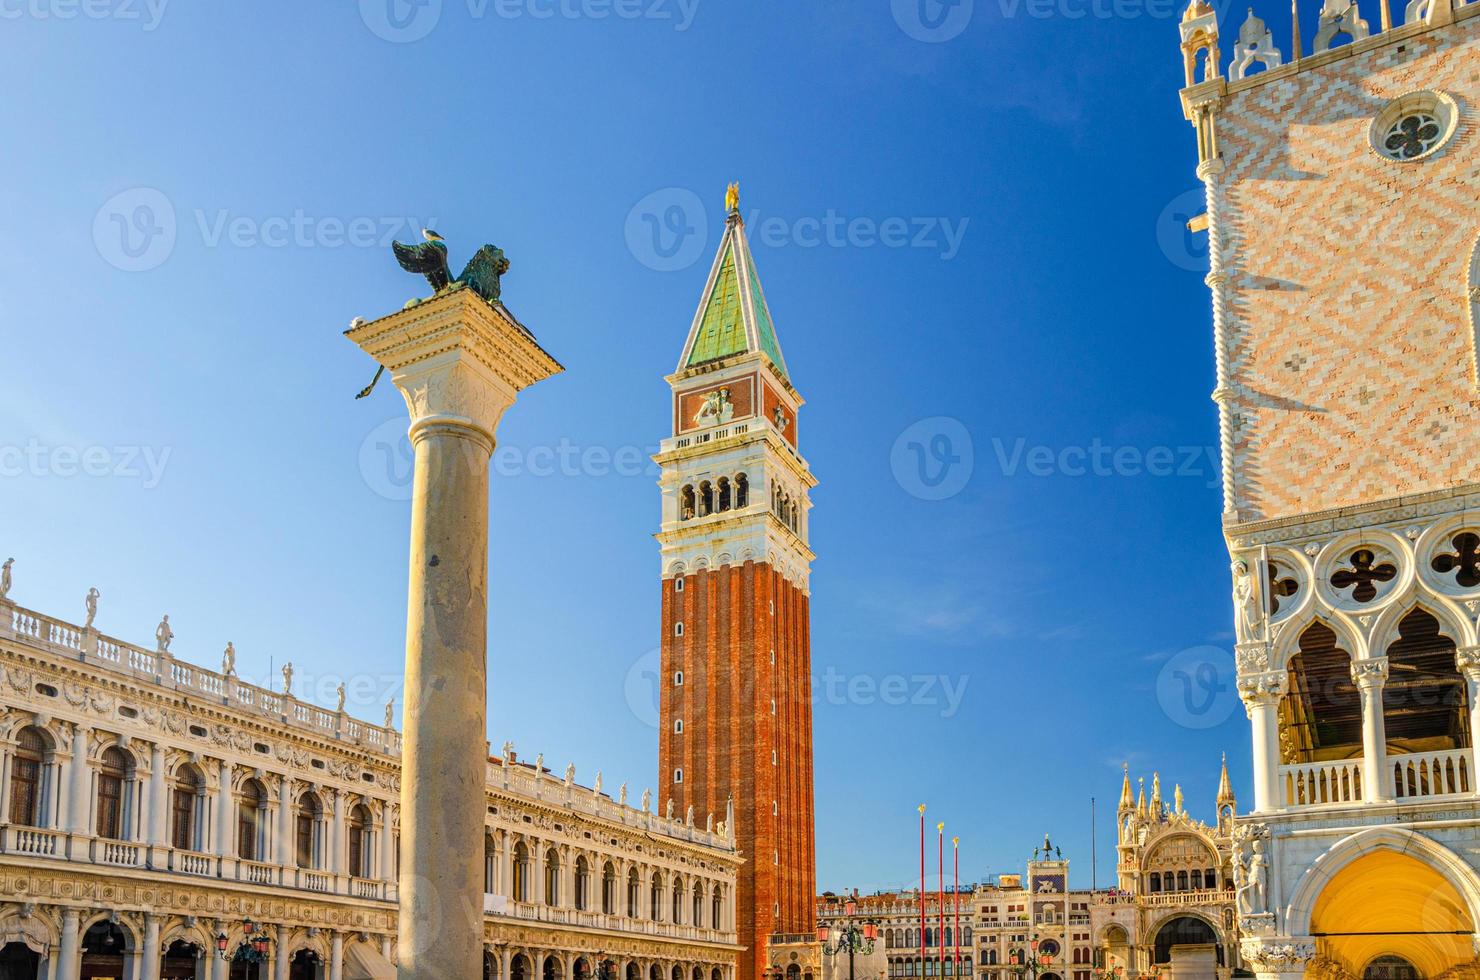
[(1415, 126)]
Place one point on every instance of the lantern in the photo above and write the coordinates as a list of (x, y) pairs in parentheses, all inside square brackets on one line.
[(849, 908), (822, 934), (870, 931), (221, 944)]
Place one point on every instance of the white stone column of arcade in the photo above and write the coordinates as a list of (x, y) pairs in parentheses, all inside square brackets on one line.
[(1370, 676), (459, 362), (1261, 694)]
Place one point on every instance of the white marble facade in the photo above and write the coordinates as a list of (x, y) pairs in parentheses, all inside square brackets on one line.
[(150, 809)]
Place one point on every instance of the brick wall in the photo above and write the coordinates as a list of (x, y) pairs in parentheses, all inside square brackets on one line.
[(734, 617), (1350, 338)]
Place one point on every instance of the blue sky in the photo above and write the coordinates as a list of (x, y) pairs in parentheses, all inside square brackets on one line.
[(197, 202)]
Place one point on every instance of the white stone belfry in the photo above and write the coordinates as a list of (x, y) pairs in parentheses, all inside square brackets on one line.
[(459, 361)]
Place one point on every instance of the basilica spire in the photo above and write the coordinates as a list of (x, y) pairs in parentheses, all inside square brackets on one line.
[(1225, 788), (1127, 801), (733, 318)]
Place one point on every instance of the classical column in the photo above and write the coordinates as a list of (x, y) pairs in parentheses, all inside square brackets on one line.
[(282, 845), (1277, 957), (280, 964), (1468, 661), (537, 874), (80, 788), (1261, 694), (151, 946), (1370, 676), (158, 804), (336, 836), (336, 956), (223, 809), (69, 956), (459, 361), (387, 843)]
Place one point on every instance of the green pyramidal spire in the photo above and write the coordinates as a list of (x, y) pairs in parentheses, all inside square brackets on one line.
[(732, 317)]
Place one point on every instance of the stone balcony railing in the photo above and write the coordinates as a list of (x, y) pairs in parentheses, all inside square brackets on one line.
[(38, 842), (498, 906), (148, 666), (536, 784), (1412, 777)]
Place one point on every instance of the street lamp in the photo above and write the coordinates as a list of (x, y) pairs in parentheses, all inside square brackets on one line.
[(853, 937), (1036, 962)]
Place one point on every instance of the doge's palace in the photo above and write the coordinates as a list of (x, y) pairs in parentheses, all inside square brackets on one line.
[(163, 820)]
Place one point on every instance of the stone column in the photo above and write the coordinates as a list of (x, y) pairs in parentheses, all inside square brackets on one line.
[(336, 862), (159, 809), (1261, 694), (336, 956), (1370, 676), (223, 810), (151, 947), (459, 361), (69, 956), (282, 845), (280, 964), (1467, 659), (1277, 957), (387, 843), (80, 789), (537, 873)]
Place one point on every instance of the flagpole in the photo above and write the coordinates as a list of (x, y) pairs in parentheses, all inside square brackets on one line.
[(940, 932), (922, 889), (956, 900)]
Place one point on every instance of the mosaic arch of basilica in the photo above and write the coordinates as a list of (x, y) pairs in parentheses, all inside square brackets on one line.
[(162, 820), (1342, 231)]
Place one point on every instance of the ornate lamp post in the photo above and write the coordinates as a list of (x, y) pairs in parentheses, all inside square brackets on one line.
[(1036, 962), (853, 937)]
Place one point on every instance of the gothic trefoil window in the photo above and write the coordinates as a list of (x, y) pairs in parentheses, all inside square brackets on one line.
[(1364, 575), (1463, 560), (1412, 136), (1280, 587)]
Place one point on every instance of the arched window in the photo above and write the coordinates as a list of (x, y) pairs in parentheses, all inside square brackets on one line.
[(582, 885), (697, 919), (1181, 881), (675, 908), (249, 820), (113, 778), (686, 502), (655, 895), (185, 805), (634, 886), (724, 493), (608, 890), (1153, 883), (1196, 879), (490, 866), (28, 778), (714, 909), (306, 830), (521, 872), (359, 854), (552, 877), (742, 491), (706, 499)]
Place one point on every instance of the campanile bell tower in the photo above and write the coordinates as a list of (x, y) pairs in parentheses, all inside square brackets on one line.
[(736, 706)]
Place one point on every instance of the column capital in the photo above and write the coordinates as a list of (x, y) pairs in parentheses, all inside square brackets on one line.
[(1370, 674), (1263, 688), (1467, 659), (456, 358)]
